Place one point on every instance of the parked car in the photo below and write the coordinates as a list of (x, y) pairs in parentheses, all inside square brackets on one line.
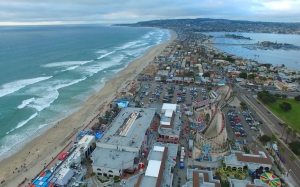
[(253, 128)]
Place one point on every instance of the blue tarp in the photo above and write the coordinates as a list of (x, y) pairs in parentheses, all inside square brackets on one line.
[(48, 175), (44, 179), (99, 135), (82, 133)]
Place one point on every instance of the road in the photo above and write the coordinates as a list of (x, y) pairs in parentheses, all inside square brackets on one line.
[(270, 126)]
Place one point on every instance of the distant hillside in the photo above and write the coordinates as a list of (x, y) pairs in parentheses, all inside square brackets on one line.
[(221, 25)]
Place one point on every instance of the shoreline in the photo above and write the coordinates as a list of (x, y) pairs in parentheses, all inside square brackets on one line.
[(40, 151)]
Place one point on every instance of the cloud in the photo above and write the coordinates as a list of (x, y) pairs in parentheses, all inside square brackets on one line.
[(117, 11)]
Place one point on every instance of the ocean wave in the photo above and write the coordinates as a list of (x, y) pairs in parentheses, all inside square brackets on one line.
[(102, 51), (128, 44), (48, 94), (148, 35), (102, 56), (46, 97), (41, 126), (65, 63), (69, 83), (22, 123), (12, 87), (25, 103)]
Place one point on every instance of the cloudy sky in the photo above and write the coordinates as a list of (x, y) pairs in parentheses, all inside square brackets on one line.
[(16, 12)]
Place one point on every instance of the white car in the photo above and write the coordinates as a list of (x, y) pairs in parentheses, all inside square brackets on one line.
[(253, 128)]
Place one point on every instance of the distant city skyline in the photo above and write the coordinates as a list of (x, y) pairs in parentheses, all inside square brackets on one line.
[(48, 12)]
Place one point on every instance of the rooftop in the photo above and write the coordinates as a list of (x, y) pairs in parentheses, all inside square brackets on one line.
[(128, 128), (239, 159), (158, 172), (111, 158), (201, 178)]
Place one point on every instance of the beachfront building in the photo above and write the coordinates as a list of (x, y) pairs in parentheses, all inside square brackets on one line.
[(123, 143), (161, 160), (252, 162), (197, 178), (170, 123)]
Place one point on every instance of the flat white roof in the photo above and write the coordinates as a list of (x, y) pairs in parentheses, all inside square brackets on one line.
[(168, 113), (169, 106), (158, 148), (86, 139), (153, 168)]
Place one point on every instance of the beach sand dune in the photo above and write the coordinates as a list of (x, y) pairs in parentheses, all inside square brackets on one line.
[(39, 152)]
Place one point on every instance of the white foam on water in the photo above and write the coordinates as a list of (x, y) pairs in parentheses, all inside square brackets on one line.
[(129, 44), (46, 97), (102, 51), (106, 54), (22, 123), (41, 126), (14, 86), (25, 103), (68, 83), (48, 94), (71, 68), (65, 63)]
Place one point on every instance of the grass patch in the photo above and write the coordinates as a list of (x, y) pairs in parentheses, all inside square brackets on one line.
[(292, 118)]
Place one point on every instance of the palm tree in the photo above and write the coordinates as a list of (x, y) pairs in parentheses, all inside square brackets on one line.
[(294, 134), (288, 132), (273, 138), (292, 159), (284, 127)]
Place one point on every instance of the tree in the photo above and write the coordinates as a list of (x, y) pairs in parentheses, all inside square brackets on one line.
[(292, 159), (107, 113), (284, 127), (206, 74), (100, 120), (243, 75), (266, 97), (273, 138), (295, 147), (294, 134), (284, 96), (297, 98), (277, 95), (251, 76), (281, 149), (243, 105), (285, 106), (264, 78), (288, 132), (265, 139)]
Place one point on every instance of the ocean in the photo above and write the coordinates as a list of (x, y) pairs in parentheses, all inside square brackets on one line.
[(48, 72), (275, 57)]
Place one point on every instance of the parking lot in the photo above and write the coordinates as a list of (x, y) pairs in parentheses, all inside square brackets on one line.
[(153, 92), (241, 125)]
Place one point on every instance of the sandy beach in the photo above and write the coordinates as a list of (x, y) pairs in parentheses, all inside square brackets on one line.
[(40, 152)]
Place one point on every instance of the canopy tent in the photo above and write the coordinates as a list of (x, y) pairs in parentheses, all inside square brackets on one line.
[(99, 135), (62, 156), (270, 179)]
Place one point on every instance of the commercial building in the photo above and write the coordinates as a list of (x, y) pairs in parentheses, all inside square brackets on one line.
[(161, 160), (124, 142), (203, 178), (252, 161), (170, 123)]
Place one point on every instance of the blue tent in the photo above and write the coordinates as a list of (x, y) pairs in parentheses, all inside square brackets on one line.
[(99, 135)]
